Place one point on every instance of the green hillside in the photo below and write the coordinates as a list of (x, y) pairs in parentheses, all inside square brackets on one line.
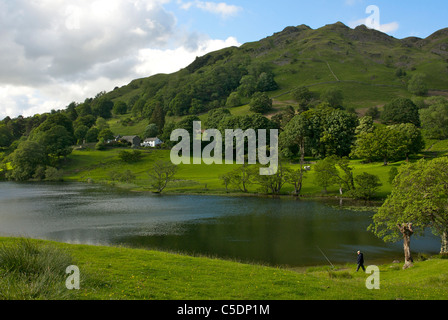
[(361, 62)]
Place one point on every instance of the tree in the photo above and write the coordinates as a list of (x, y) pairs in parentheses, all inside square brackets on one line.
[(393, 172), (295, 178), (158, 117), (80, 133), (367, 186), (383, 143), (417, 201), (326, 173), (272, 184), (226, 180), (137, 109), (233, 100), (434, 120), (373, 112), (161, 174), (334, 97), (366, 125), (57, 119), (106, 134), (260, 103), (101, 124), (242, 177), (88, 121), (417, 85), (303, 96), (293, 140), (57, 141), (151, 131), (337, 132), (102, 107), (25, 159), (248, 86), (215, 116), (181, 104), (283, 118), (333, 170), (6, 137), (92, 135), (411, 137), (120, 108), (71, 111), (401, 110), (266, 82)]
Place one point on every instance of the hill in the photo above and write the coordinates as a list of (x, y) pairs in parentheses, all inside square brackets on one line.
[(368, 66)]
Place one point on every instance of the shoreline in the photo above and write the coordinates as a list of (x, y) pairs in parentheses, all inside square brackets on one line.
[(337, 199)]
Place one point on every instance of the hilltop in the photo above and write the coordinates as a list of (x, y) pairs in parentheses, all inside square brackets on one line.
[(368, 66)]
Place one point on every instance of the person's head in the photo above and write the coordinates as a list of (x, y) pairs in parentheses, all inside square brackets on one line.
[(359, 252)]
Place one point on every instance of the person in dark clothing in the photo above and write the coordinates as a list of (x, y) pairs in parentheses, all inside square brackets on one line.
[(360, 261)]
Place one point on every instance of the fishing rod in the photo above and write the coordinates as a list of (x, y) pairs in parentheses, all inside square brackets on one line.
[(325, 256)]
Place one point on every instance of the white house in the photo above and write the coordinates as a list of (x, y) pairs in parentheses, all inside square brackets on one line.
[(151, 142)]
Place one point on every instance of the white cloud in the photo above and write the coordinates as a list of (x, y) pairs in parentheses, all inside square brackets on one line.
[(173, 60), (53, 52), (222, 9)]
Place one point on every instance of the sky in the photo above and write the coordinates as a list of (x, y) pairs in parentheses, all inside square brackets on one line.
[(54, 52)]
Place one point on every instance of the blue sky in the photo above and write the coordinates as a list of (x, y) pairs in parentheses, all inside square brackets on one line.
[(54, 52), (258, 19)]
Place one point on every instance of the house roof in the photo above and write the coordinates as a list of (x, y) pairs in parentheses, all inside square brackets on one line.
[(151, 139)]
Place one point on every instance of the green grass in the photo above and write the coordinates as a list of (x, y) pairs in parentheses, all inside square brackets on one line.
[(134, 274), (32, 271), (96, 166), (138, 128)]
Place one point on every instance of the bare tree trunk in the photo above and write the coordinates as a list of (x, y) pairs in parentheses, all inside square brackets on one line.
[(407, 232), (444, 247)]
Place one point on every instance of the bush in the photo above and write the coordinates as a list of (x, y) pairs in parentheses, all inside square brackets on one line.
[(367, 185), (129, 157), (127, 176), (53, 174)]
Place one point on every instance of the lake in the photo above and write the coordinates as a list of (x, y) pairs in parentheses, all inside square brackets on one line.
[(283, 232)]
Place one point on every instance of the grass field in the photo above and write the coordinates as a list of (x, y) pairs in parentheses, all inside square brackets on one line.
[(133, 274), (93, 165)]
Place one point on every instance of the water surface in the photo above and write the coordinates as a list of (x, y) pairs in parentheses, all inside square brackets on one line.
[(250, 229)]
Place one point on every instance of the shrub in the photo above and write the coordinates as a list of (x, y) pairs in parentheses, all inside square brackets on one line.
[(129, 157), (127, 176), (367, 185)]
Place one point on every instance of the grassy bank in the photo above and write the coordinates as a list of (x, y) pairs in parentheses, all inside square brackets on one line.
[(128, 274)]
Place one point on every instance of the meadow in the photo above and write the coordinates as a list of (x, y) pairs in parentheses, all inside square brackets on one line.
[(97, 166), (118, 273)]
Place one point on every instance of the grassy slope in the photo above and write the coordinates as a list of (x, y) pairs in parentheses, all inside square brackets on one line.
[(121, 273)]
